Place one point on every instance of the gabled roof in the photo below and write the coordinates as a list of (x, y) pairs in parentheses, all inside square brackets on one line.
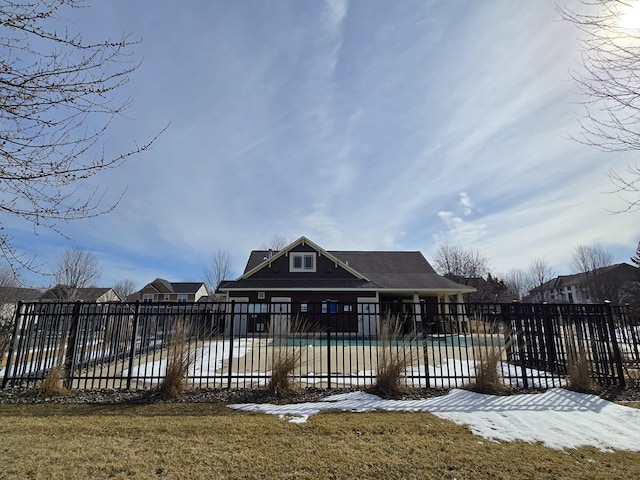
[(16, 294), (88, 294), (164, 286), (373, 270), (619, 271), (253, 265)]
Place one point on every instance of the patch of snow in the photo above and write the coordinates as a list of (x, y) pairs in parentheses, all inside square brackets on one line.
[(557, 418)]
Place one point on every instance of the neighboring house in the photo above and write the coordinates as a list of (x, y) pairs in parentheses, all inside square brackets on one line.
[(615, 283), (9, 298), (67, 293), (279, 286), (161, 290)]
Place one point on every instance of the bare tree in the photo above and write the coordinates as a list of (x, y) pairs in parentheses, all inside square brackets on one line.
[(611, 81), (76, 269), (460, 264), (124, 288), (56, 102), (276, 242), (591, 261), (217, 270), (539, 273), (518, 283)]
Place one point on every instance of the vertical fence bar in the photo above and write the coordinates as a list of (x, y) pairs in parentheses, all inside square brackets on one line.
[(231, 340), (72, 339), (132, 350), (328, 354), (617, 357)]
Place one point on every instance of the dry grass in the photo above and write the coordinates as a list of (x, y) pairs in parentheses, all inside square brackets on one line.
[(394, 356), (284, 363), (179, 361), (487, 378), (203, 441), (53, 384), (286, 360), (578, 371)]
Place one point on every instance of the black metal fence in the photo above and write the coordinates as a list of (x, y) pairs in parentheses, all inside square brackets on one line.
[(235, 345)]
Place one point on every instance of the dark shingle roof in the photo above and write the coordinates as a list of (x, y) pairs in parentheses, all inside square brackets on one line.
[(16, 294), (387, 270), (88, 294)]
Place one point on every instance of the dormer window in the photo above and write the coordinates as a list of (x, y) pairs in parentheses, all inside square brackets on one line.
[(302, 262)]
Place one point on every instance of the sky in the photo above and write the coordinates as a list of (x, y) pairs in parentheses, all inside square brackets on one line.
[(558, 418), (360, 124)]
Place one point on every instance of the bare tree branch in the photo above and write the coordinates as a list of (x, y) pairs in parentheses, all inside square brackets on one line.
[(56, 102), (218, 269), (610, 80)]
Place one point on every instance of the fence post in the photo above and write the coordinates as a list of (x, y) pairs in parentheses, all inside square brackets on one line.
[(14, 336), (328, 354), (132, 350), (72, 340), (232, 329), (520, 339), (617, 357)]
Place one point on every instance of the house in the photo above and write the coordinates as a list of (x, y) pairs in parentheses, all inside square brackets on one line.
[(615, 283), (278, 286), (68, 293), (161, 290), (9, 298)]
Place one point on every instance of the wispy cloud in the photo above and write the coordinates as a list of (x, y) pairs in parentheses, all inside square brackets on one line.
[(363, 125)]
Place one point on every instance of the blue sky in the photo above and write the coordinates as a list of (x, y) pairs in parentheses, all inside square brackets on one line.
[(361, 124)]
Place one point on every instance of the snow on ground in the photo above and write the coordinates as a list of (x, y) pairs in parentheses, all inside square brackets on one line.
[(208, 359), (557, 418)]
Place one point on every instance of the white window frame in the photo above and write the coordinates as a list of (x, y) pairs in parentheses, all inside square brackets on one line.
[(183, 297), (147, 297), (303, 256)]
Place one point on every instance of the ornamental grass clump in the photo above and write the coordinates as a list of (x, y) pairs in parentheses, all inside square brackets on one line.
[(286, 359), (395, 355), (53, 384), (487, 376), (179, 362), (578, 370)]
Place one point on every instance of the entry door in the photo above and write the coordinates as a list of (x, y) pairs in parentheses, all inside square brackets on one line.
[(367, 324), (280, 315)]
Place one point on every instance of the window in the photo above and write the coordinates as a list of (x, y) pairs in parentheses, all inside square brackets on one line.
[(167, 297), (330, 306), (302, 262), (183, 297), (147, 297)]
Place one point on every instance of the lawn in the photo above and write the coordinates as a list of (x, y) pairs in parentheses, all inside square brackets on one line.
[(191, 441)]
